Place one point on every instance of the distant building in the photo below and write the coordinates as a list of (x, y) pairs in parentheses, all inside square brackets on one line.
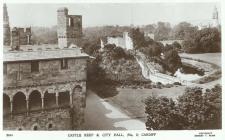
[(215, 18), (150, 35), (69, 28), (213, 22), (124, 42), (44, 87)]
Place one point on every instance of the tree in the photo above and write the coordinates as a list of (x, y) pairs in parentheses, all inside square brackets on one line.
[(138, 38), (176, 45), (182, 29), (161, 115), (192, 110), (172, 60), (162, 31), (192, 107), (213, 99), (201, 111), (203, 41), (118, 53), (44, 35), (150, 28)]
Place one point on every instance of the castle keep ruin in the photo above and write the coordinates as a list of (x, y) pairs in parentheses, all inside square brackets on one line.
[(45, 89), (69, 28)]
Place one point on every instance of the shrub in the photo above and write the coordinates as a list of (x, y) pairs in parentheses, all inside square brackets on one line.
[(172, 60), (160, 113), (177, 83), (193, 110)]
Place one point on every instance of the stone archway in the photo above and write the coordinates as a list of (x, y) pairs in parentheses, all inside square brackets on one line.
[(77, 89), (50, 126), (78, 97), (35, 127), (64, 98), (49, 100), (35, 100), (6, 104), (19, 103)]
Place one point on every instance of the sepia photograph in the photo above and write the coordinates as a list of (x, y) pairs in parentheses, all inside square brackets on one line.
[(112, 66)]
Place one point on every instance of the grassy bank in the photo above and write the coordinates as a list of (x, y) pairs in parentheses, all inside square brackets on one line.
[(132, 100)]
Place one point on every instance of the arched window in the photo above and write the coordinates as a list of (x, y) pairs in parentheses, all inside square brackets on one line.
[(35, 127), (19, 103), (6, 104), (35, 100), (50, 126), (20, 129), (49, 100), (64, 64), (64, 98), (78, 89)]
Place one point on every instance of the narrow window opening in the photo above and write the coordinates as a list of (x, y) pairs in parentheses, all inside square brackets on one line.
[(64, 64), (49, 126), (71, 22), (34, 66)]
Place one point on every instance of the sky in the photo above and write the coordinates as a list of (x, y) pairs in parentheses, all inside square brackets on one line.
[(99, 14)]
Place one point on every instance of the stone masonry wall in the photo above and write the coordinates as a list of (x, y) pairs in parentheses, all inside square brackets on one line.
[(59, 118), (19, 74), (25, 36)]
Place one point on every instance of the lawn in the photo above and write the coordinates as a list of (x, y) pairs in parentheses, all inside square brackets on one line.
[(214, 58), (132, 100)]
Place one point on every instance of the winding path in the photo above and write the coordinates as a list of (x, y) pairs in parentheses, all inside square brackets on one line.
[(149, 72), (101, 115)]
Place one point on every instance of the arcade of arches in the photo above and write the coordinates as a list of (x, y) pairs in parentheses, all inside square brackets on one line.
[(37, 99)]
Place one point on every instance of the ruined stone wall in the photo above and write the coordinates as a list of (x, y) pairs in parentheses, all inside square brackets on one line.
[(19, 74), (69, 28), (60, 119), (124, 42), (15, 39), (25, 36), (74, 26)]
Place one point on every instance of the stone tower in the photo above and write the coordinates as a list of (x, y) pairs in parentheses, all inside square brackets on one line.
[(215, 17), (6, 28), (69, 28)]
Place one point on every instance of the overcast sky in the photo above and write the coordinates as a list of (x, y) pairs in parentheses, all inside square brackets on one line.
[(111, 14)]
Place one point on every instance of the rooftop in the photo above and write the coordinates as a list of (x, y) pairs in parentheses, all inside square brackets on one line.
[(41, 52)]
